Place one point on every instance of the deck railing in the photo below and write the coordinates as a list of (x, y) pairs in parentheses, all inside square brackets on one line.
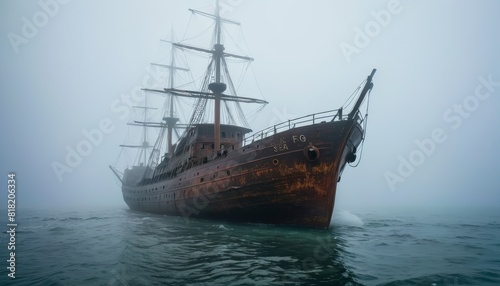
[(325, 116)]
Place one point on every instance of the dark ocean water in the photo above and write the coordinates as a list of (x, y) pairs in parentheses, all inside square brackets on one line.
[(122, 247)]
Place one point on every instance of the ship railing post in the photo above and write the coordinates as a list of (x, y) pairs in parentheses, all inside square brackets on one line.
[(288, 123), (313, 117)]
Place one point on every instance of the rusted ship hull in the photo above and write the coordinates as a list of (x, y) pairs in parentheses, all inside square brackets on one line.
[(289, 178), (286, 174)]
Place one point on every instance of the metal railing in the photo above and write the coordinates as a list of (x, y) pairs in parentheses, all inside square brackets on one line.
[(325, 116)]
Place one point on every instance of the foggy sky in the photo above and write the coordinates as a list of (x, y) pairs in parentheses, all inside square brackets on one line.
[(435, 99)]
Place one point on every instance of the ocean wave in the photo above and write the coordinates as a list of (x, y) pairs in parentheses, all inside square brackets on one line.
[(59, 229), (71, 219), (221, 226), (96, 218), (401, 235), (346, 218), (456, 279), (125, 248)]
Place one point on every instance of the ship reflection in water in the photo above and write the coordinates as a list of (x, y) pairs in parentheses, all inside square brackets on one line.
[(166, 250)]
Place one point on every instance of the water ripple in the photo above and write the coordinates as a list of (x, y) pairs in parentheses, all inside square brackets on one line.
[(123, 247)]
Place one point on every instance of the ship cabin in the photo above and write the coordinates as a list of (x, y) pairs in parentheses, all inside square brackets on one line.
[(197, 147), (199, 140)]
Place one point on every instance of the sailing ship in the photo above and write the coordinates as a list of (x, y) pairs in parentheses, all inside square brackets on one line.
[(285, 174)]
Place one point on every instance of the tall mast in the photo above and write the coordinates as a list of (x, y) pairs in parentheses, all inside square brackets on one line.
[(145, 130), (171, 120), (217, 87), (142, 155)]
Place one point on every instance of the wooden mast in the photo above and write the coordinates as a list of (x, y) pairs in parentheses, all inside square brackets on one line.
[(171, 120), (217, 87)]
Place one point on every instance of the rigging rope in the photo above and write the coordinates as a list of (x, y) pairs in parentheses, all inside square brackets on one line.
[(351, 97), (257, 83), (199, 34), (233, 40), (239, 110), (365, 123), (185, 31), (155, 153), (256, 113)]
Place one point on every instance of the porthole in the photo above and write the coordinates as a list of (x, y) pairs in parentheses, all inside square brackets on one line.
[(311, 152)]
